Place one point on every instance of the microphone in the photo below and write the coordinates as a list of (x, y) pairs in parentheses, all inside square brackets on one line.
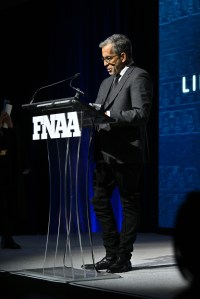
[(78, 91), (55, 83)]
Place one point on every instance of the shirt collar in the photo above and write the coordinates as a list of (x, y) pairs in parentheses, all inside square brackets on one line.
[(123, 72)]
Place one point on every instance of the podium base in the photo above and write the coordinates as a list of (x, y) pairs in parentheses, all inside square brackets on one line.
[(65, 274)]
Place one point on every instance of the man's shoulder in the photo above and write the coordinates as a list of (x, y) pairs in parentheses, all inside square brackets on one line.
[(136, 69), (138, 72)]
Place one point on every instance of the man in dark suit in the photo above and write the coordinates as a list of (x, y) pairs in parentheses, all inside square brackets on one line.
[(119, 148)]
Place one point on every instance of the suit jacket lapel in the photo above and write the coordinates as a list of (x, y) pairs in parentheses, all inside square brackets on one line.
[(118, 88), (107, 90), (108, 102)]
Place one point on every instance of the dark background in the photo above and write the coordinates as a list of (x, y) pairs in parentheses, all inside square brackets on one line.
[(47, 41)]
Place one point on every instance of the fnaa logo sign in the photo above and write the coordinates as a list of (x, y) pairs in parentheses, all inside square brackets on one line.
[(60, 125)]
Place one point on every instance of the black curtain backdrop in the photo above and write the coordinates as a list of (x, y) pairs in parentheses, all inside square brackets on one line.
[(47, 41)]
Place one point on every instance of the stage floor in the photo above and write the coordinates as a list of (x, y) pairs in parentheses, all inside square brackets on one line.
[(154, 271)]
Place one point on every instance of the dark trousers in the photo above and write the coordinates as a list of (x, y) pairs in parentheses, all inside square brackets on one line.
[(127, 177)]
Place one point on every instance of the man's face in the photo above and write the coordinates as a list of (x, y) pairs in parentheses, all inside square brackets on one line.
[(113, 62)]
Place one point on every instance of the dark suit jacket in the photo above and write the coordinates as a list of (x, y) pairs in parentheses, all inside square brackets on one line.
[(124, 140)]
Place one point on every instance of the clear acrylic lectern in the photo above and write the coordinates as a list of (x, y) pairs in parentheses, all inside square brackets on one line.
[(60, 122)]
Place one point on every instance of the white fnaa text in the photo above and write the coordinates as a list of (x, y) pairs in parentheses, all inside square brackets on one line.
[(60, 125)]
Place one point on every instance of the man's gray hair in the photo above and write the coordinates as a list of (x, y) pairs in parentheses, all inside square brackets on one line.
[(120, 43)]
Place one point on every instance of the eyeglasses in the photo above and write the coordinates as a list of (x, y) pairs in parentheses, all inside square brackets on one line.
[(108, 58)]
